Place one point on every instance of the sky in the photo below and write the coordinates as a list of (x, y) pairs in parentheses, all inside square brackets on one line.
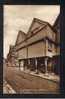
[(19, 17)]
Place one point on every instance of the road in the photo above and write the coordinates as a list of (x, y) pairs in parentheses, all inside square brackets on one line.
[(23, 82)]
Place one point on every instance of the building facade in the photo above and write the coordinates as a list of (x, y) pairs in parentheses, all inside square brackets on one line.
[(37, 49)]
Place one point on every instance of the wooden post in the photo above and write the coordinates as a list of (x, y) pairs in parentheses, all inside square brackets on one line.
[(36, 65), (46, 71)]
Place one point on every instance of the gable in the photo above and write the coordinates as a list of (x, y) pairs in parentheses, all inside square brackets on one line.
[(35, 26), (51, 33), (21, 37)]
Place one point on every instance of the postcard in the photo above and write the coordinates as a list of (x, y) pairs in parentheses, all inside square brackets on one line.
[(31, 63)]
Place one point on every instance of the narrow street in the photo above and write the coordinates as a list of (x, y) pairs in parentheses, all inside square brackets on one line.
[(23, 82)]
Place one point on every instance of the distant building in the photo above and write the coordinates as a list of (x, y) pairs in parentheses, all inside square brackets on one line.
[(11, 56), (36, 49)]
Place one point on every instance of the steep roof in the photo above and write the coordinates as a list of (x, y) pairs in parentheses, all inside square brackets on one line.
[(36, 25), (20, 37)]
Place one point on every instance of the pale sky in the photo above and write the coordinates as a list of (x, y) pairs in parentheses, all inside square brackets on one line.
[(19, 17)]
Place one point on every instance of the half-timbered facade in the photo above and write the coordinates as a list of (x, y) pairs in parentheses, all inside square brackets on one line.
[(35, 50)]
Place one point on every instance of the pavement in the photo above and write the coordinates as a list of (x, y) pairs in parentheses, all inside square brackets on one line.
[(25, 82), (49, 76)]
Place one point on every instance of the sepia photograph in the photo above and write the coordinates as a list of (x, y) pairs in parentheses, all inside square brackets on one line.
[(31, 46)]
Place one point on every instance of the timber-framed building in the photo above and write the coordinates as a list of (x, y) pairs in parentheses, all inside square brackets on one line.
[(38, 49)]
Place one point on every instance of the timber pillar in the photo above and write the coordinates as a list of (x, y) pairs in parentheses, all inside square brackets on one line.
[(36, 65), (46, 65)]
